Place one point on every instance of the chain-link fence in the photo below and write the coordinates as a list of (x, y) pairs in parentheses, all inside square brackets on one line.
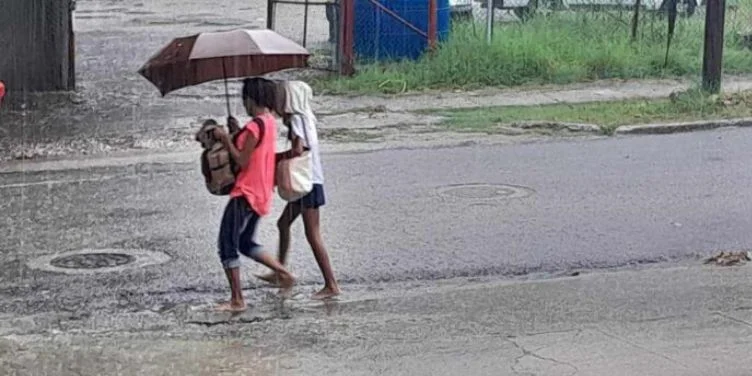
[(650, 17), (312, 23), (571, 40), (617, 12), (738, 23)]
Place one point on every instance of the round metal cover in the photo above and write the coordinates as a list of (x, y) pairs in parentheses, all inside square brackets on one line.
[(90, 261), (485, 191)]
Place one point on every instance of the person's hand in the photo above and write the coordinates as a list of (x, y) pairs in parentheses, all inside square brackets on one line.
[(232, 124), (221, 135)]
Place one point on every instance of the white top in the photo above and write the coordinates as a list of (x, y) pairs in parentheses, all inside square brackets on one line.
[(312, 143)]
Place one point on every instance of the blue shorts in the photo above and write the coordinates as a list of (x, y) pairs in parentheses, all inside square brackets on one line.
[(314, 199), (236, 233)]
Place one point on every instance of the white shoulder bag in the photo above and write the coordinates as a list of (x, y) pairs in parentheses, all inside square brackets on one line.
[(295, 175)]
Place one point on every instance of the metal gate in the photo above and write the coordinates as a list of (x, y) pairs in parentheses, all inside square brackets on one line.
[(319, 30)]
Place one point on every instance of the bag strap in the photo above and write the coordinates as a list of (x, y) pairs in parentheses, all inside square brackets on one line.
[(291, 131), (305, 132), (261, 127)]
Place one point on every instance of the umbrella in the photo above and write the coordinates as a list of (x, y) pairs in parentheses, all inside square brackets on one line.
[(208, 57)]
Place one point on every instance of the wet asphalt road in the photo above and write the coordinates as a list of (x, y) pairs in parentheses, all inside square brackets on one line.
[(390, 217)]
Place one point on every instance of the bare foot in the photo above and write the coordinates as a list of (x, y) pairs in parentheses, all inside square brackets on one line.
[(326, 293), (270, 278), (286, 282), (230, 307)]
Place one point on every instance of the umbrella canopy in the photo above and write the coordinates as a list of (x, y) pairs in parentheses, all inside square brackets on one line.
[(208, 57)]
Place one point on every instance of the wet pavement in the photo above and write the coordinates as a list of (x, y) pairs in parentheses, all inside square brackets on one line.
[(400, 216), (445, 255), (687, 320), (408, 214)]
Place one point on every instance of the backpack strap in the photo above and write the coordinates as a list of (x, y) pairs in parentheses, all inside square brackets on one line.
[(261, 127)]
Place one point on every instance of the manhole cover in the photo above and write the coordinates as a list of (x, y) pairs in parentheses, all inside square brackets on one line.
[(485, 191), (89, 261), (92, 261)]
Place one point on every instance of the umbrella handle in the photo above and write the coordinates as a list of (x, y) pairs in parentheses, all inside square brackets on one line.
[(227, 90)]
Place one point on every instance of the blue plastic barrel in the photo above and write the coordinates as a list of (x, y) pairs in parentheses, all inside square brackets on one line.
[(380, 36)]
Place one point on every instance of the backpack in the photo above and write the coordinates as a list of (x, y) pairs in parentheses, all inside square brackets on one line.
[(217, 165)]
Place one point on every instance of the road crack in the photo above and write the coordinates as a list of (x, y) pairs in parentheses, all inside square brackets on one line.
[(533, 354), (630, 343), (734, 319)]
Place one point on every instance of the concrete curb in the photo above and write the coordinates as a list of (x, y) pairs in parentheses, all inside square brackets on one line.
[(557, 126), (668, 128)]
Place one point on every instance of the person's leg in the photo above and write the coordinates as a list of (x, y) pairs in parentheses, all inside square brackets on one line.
[(249, 248), (236, 303), (289, 215), (285, 278), (313, 235), (228, 241)]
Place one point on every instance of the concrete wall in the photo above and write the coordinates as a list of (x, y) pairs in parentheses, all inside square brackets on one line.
[(36, 45)]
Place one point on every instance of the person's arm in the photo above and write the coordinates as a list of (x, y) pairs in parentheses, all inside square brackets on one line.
[(241, 157), (295, 151), (297, 143), (233, 125)]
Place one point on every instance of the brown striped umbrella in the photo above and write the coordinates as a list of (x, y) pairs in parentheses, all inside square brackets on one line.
[(215, 56)]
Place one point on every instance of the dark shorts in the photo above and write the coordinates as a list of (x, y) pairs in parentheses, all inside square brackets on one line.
[(314, 199), (236, 233)]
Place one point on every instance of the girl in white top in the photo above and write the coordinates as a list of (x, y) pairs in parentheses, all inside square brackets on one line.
[(301, 124)]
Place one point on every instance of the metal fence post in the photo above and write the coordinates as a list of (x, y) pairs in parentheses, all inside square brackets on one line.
[(712, 59), (347, 37), (489, 20), (432, 24), (270, 14), (305, 23)]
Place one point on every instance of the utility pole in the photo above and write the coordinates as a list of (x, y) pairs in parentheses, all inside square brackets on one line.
[(712, 60)]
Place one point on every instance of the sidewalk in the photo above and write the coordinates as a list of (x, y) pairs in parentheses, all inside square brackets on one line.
[(604, 90), (61, 129), (685, 320)]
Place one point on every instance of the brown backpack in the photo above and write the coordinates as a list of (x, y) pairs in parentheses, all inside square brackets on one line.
[(217, 165)]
